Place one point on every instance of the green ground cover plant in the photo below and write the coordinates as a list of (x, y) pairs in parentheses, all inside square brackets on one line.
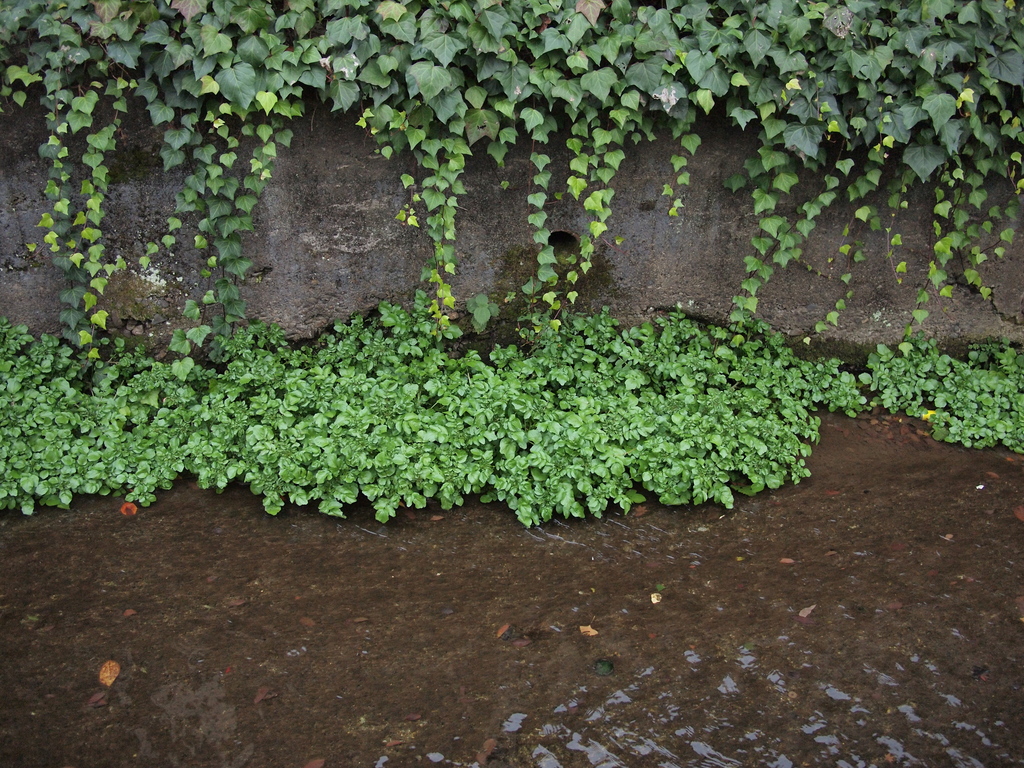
[(589, 416)]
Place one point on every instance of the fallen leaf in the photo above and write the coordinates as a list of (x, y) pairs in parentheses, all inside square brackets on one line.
[(832, 493), (992, 475), (521, 642), (307, 622), (787, 561), (503, 629), (263, 694), (394, 743), (485, 752), (831, 553), (360, 620), (947, 537), (234, 602), (318, 763), (412, 717), (655, 597), (588, 630), (129, 612), (436, 518), (98, 700), (109, 672), (807, 611), (1018, 512), (895, 606), (638, 511), (128, 509)]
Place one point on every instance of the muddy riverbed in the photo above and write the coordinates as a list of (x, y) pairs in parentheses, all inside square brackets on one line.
[(871, 616)]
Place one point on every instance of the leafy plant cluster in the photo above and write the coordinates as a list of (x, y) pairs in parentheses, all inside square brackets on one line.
[(858, 100), (978, 402), (592, 415)]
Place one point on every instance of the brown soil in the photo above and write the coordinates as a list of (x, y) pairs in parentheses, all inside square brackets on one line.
[(870, 616)]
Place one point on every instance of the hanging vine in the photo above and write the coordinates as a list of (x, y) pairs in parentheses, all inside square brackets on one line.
[(849, 101)]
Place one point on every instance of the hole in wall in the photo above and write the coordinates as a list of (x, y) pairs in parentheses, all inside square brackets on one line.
[(563, 241)]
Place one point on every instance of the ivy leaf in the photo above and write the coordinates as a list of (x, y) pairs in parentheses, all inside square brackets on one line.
[(389, 9), (238, 84), (429, 79), (106, 9), (803, 138), (923, 159), (600, 82), (756, 44), (1007, 66), (590, 8), (214, 41), (444, 47), (189, 8), (941, 107), (480, 123)]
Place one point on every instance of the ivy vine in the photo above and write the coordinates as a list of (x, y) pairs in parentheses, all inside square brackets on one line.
[(857, 100)]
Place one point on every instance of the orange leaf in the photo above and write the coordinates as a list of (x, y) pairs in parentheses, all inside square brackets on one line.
[(1018, 512), (787, 561), (128, 509), (436, 518), (109, 672), (129, 612), (489, 746), (504, 628), (307, 622), (588, 630)]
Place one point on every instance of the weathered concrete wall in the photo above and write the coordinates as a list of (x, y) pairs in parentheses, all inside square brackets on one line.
[(327, 243)]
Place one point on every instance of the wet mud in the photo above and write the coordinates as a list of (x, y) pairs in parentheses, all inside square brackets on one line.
[(870, 616)]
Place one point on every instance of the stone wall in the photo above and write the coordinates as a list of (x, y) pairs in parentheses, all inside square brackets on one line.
[(327, 243)]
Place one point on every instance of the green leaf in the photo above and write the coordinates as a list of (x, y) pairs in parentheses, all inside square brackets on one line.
[(445, 47), (429, 80), (923, 159), (803, 138), (238, 84), (266, 100), (214, 41), (599, 82), (1008, 66), (941, 107)]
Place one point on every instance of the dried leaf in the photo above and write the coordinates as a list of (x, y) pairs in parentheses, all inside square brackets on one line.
[(318, 763), (485, 752), (590, 8), (1018, 512), (128, 509), (98, 700), (521, 642), (307, 622), (787, 561), (655, 597), (640, 509), (992, 475), (109, 672), (412, 717), (503, 629), (394, 743), (234, 602), (129, 612), (263, 694), (832, 493), (588, 630), (436, 518), (359, 620), (807, 611)]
